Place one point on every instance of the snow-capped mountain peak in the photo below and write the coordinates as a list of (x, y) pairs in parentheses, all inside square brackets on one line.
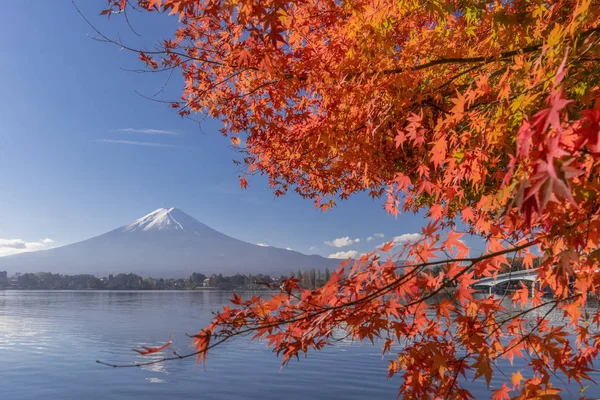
[(165, 243), (162, 219)]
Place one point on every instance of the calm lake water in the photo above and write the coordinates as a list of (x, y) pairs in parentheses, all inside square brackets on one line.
[(49, 341)]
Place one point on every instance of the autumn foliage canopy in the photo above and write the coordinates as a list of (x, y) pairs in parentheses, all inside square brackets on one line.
[(483, 115)]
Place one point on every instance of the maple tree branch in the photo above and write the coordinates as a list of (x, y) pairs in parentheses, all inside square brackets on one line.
[(509, 279), (473, 262), (456, 373), (520, 314), (377, 293), (417, 268), (106, 39), (541, 84), (545, 363), (177, 357), (162, 88), (455, 77), (391, 286), (486, 60), (256, 89), (537, 325), (436, 62), (129, 23)]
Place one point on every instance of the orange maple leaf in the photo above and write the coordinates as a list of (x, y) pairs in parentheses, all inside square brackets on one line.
[(387, 246), (516, 379), (151, 350), (502, 393)]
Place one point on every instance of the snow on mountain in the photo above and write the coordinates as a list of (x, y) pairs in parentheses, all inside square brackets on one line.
[(165, 243), (161, 219)]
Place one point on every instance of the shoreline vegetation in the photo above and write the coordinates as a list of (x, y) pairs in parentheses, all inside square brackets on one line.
[(309, 279)]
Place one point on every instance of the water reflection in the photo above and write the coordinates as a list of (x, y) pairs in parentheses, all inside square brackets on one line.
[(49, 342)]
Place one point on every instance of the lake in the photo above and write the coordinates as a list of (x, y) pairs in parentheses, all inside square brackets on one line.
[(49, 341)]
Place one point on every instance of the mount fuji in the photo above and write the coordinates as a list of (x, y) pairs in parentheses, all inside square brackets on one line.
[(165, 243)]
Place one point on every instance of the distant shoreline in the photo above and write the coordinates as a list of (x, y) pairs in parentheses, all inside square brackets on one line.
[(309, 279)]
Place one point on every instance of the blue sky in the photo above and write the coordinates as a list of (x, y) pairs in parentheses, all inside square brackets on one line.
[(71, 154)]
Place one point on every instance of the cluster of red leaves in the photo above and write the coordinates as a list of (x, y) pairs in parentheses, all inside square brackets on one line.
[(481, 113), (437, 339)]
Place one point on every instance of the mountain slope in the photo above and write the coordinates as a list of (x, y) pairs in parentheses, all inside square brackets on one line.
[(164, 243)]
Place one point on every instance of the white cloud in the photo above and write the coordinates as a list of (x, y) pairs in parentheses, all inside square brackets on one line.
[(15, 246), (135, 143), (262, 244), (12, 243), (375, 235), (342, 242), (148, 131), (342, 255), (405, 238), (313, 248), (289, 248)]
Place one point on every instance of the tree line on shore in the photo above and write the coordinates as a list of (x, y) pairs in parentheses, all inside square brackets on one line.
[(309, 279)]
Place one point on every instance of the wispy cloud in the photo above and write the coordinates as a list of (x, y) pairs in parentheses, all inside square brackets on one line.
[(15, 246), (262, 244), (375, 235), (147, 131), (290, 249), (341, 242), (342, 255), (135, 143)]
